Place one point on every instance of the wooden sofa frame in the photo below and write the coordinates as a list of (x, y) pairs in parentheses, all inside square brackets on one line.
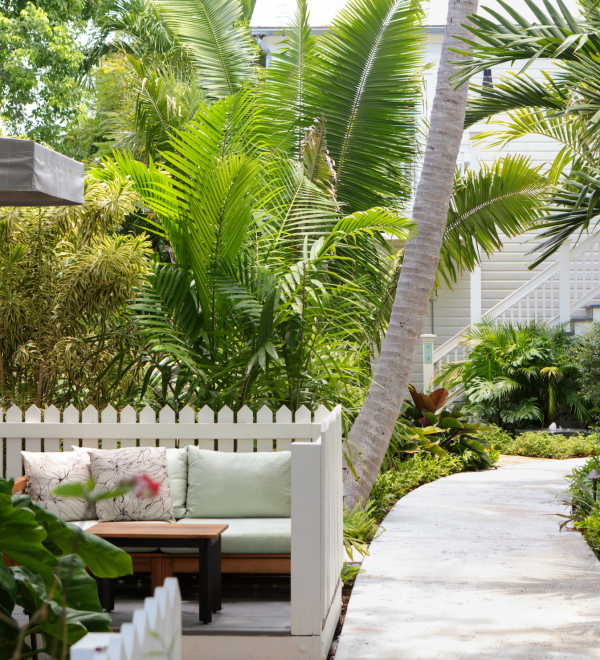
[(161, 565)]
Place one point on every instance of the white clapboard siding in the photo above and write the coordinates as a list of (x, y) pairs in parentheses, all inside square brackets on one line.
[(110, 429), (155, 632)]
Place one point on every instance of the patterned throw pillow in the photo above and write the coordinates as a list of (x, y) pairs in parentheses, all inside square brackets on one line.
[(112, 466), (47, 470)]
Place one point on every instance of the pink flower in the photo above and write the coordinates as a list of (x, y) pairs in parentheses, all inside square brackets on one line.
[(144, 486)]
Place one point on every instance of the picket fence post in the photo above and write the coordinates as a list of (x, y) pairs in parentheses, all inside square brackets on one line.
[(154, 633)]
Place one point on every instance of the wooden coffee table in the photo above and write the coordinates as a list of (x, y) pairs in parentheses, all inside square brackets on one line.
[(206, 538)]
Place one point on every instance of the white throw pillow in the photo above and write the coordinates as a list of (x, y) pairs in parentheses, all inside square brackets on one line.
[(112, 466), (47, 470)]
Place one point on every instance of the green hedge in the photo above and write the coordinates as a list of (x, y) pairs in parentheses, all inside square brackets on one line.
[(544, 445)]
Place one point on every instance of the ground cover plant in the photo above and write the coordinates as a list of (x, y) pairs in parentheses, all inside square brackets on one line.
[(584, 510), (517, 375), (547, 445)]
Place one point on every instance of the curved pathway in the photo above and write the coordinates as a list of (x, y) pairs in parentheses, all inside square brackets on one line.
[(474, 567)]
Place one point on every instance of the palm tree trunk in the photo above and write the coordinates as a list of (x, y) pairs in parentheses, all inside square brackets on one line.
[(371, 433)]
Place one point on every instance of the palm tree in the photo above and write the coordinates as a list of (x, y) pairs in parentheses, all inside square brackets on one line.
[(375, 423)]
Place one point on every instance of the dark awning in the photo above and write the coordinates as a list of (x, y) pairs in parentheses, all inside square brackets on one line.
[(32, 175)]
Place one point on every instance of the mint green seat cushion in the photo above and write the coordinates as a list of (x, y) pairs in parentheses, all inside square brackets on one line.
[(86, 524), (177, 469), (244, 485), (247, 535)]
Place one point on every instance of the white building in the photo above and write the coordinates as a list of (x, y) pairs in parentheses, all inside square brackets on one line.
[(503, 286)]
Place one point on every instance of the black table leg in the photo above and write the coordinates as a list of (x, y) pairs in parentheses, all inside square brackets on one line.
[(205, 580), (216, 574), (106, 593)]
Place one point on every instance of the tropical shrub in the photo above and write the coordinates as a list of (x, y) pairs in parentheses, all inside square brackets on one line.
[(585, 512), (66, 277), (517, 375), (50, 583), (421, 427), (585, 353), (548, 445)]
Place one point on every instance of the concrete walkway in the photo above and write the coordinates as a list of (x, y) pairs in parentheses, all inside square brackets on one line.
[(474, 566)]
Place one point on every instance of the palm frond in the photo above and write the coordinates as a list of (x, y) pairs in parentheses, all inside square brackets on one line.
[(285, 95), (217, 38), (364, 79), (502, 198)]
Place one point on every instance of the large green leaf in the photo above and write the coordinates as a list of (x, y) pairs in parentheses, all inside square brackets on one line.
[(100, 556), (8, 599), (21, 537), (33, 597), (80, 590), (218, 39), (364, 77)]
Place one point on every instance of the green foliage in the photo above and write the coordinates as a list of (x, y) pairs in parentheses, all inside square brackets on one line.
[(517, 375), (362, 74), (493, 201), (562, 107), (349, 574), (276, 296), (65, 277), (51, 583), (549, 445), (585, 353), (422, 428), (360, 528), (217, 37), (40, 60)]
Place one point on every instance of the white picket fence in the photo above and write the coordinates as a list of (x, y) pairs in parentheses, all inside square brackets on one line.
[(202, 429), (317, 501), (154, 633)]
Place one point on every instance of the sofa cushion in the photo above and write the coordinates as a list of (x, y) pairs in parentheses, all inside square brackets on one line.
[(177, 466), (247, 535), (177, 469), (111, 467), (238, 485), (86, 524), (47, 470)]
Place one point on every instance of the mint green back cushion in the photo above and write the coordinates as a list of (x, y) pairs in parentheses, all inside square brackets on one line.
[(177, 469), (246, 485)]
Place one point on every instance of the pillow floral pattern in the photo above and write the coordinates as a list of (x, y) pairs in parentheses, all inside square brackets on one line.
[(112, 466), (47, 470)]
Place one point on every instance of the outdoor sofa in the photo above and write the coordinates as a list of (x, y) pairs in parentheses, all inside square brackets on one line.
[(250, 492)]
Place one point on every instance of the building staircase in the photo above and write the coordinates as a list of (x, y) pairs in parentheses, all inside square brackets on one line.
[(566, 292)]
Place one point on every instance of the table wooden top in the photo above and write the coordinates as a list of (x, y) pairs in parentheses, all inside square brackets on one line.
[(157, 530)]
